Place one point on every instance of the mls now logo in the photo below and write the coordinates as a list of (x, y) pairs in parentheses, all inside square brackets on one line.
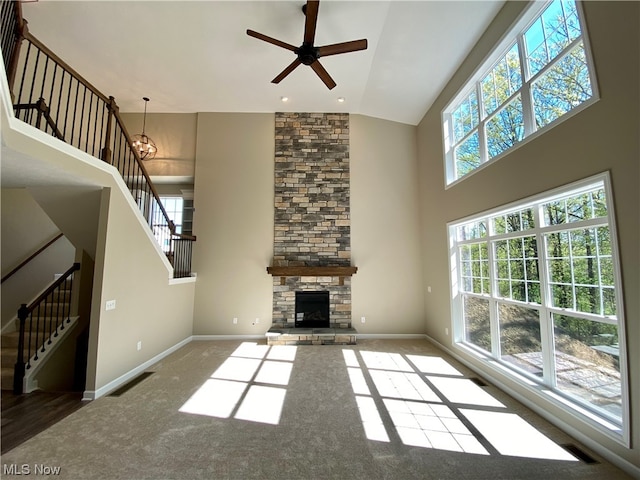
[(26, 469)]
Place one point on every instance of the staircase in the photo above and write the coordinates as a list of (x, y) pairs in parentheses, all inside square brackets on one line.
[(51, 96), (9, 354), (45, 322)]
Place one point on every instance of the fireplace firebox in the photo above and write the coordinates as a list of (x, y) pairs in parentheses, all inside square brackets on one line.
[(312, 309)]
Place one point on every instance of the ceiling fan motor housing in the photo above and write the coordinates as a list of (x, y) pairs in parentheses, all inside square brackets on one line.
[(307, 53)]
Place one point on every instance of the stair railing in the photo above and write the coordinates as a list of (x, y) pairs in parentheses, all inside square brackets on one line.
[(31, 257), (51, 96), (40, 322)]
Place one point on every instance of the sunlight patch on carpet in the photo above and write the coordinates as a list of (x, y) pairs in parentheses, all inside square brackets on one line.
[(262, 404), (215, 398), (242, 387), (513, 436)]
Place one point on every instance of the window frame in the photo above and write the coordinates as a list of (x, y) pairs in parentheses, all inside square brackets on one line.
[(542, 387), (514, 35), (170, 211)]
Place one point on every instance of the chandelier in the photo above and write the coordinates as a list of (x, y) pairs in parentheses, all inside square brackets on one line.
[(141, 142)]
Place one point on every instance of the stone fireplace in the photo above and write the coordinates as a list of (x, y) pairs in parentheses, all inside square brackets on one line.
[(312, 238)]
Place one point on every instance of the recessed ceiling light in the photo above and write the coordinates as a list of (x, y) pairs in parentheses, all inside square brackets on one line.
[(340, 99), (284, 99)]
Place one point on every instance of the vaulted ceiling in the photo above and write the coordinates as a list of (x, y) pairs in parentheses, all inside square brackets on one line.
[(195, 56)]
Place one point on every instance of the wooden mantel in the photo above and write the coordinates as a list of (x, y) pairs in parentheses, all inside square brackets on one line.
[(312, 271), (336, 271)]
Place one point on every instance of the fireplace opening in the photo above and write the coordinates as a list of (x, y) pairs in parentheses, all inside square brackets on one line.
[(312, 309)]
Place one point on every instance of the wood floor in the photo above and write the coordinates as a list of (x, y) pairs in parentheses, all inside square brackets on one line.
[(24, 416)]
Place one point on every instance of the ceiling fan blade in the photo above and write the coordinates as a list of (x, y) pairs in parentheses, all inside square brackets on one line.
[(311, 11), (271, 40), (287, 71), (323, 74), (344, 47)]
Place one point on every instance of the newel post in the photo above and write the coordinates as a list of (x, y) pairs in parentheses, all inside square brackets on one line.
[(106, 151), (19, 369)]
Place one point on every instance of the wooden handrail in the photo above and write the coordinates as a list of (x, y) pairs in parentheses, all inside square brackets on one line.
[(91, 135), (184, 236), (32, 256), (152, 187), (143, 168), (53, 286), (27, 35), (19, 29), (26, 334)]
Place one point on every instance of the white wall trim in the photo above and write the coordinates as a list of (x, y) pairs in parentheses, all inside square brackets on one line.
[(565, 427), (390, 336), (121, 380), (227, 337), (181, 280)]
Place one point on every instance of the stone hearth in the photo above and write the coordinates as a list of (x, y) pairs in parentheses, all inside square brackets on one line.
[(311, 336)]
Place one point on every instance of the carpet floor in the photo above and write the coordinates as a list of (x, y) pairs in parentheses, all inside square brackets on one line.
[(382, 409)]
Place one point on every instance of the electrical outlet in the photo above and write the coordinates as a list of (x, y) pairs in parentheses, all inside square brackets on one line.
[(446, 331), (363, 320), (139, 345), (429, 289), (110, 305), (235, 320)]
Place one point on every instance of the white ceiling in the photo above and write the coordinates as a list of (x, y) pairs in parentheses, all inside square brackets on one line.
[(195, 56)]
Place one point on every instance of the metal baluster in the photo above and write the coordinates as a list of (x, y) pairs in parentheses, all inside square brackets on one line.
[(24, 76), (33, 84), (53, 84), (70, 291), (84, 97), (50, 317), (56, 302), (35, 345), (66, 110), (75, 110)]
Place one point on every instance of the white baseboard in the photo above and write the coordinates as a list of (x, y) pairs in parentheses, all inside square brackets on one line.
[(390, 336), (121, 380), (377, 336), (567, 428), (228, 337)]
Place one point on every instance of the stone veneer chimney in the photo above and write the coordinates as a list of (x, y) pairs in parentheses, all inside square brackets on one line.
[(312, 224)]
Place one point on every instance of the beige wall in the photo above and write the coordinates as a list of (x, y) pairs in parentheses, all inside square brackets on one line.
[(602, 137), (74, 210), (388, 289), (175, 137), (129, 270), (129, 265), (233, 222), (26, 228)]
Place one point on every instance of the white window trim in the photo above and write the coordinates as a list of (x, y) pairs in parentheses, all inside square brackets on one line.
[(511, 36), (608, 426)]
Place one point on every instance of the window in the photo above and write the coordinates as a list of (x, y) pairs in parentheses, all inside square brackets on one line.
[(535, 286), (174, 208), (539, 73)]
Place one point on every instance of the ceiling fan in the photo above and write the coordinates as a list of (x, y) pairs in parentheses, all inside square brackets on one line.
[(307, 53)]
